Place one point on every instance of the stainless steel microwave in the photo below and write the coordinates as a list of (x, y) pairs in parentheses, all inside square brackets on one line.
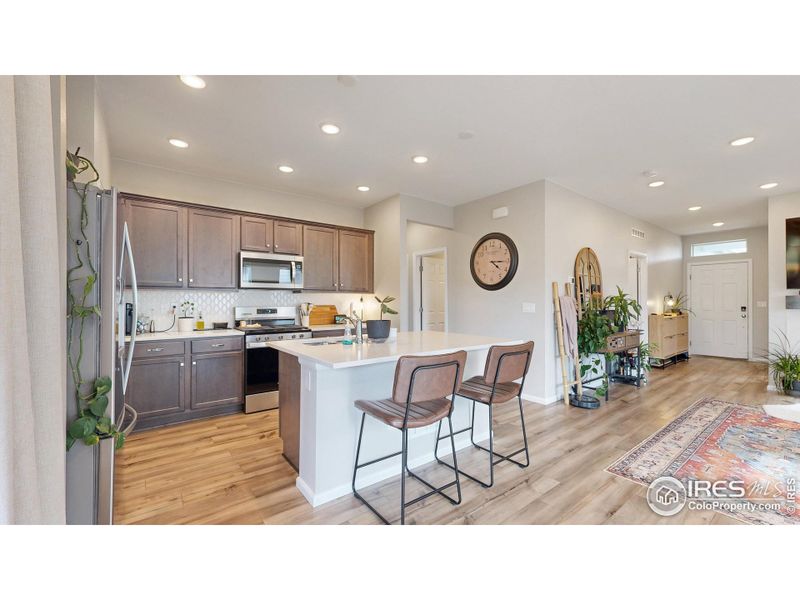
[(270, 271)]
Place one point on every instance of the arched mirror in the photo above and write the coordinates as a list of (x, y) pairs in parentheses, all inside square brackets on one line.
[(588, 280)]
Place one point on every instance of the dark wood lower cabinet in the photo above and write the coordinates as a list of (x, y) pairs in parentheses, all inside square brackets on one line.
[(289, 415), (178, 381), (216, 379), (157, 387)]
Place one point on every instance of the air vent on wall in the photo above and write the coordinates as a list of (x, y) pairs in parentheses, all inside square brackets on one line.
[(637, 233)]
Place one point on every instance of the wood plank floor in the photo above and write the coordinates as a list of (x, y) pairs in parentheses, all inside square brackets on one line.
[(230, 469)]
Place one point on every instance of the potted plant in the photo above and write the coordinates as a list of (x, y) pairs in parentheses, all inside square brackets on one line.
[(677, 304), (784, 364), (593, 329), (625, 308), (186, 322), (378, 329)]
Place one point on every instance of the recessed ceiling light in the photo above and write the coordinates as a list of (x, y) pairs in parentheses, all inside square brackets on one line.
[(420, 160), (655, 183), (695, 207), (466, 135), (329, 128), (718, 224), (363, 188), (193, 81), (178, 143), (742, 141), (285, 169), (768, 186)]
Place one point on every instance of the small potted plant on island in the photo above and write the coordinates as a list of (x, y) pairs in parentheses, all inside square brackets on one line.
[(186, 322), (378, 329)]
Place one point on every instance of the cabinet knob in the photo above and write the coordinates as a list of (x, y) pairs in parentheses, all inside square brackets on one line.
[(194, 362), (191, 280), (217, 345), (276, 245), (180, 279), (181, 364), (154, 349)]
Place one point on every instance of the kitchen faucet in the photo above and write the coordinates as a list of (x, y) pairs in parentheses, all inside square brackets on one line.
[(357, 323)]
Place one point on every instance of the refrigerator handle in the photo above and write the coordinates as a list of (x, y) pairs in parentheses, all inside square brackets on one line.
[(126, 250)]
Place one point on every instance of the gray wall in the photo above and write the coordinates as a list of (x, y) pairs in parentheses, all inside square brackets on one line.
[(780, 208), (148, 180), (756, 251)]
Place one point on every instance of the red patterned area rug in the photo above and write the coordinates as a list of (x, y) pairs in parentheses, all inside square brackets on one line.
[(718, 441)]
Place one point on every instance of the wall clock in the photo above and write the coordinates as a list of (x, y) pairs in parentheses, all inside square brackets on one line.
[(494, 260)]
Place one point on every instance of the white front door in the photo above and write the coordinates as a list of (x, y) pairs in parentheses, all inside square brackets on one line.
[(433, 284), (718, 299)]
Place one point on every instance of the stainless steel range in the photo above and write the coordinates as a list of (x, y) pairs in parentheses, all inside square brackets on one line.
[(262, 325)]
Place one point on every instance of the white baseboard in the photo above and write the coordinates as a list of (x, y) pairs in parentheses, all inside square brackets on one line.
[(540, 400), (758, 359), (317, 499)]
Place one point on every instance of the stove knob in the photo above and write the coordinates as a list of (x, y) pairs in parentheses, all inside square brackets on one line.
[(280, 337)]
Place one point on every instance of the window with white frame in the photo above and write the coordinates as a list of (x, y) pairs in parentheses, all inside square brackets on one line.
[(721, 247)]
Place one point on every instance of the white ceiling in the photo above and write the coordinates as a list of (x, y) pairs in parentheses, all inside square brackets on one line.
[(594, 135)]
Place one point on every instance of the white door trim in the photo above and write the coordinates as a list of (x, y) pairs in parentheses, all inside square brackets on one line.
[(645, 318), (416, 290), (749, 263)]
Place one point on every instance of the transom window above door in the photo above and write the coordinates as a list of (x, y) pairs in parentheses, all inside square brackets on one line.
[(721, 247)]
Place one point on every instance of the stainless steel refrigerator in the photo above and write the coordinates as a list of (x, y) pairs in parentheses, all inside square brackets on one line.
[(106, 350)]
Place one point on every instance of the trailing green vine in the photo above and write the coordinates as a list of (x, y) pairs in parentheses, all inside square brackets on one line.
[(91, 397)]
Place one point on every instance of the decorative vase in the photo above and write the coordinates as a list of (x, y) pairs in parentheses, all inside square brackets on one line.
[(305, 320), (378, 329), (185, 324)]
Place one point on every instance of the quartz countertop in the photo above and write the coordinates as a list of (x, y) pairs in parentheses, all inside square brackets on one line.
[(329, 327), (185, 335), (336, 355)]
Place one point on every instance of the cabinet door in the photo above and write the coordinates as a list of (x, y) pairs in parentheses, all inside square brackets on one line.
[(158, 240), (288, 237), (157, 387), (320, 258), (256, 234), (355, 261), (217, 379), (213, 248)]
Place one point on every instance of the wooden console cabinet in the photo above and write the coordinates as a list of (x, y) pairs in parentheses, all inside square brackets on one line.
[(669, 338)]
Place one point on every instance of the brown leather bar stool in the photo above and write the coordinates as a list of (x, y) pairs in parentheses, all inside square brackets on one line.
[(504, 366), (422, 385)]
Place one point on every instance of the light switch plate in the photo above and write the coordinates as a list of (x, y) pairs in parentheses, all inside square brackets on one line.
[(529, 307), (499, 213)]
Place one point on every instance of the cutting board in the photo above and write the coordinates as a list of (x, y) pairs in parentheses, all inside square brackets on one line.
[(323, 314)]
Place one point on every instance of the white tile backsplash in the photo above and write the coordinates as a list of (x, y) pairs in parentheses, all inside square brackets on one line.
[(218, 305)]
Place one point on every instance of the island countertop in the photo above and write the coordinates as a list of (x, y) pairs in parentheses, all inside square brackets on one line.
[(335, 355)]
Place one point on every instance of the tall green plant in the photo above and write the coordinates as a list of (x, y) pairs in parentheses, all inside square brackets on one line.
[(593, 329), (91, 397), (625, 308)]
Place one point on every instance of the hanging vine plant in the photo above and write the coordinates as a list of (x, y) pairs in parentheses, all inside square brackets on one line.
[(91, 397)]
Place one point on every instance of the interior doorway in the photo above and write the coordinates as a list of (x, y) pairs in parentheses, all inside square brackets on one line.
[(637, 288), (430, 290), (719, 321)]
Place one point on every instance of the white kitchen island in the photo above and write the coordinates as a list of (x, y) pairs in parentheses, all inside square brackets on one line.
[(332, 376)]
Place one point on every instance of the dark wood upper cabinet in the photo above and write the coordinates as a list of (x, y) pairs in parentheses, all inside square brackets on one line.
[(257, 234), (320, 258), (158, 240), (213, 249), (217, 379), (355, 261), (288, 237)]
